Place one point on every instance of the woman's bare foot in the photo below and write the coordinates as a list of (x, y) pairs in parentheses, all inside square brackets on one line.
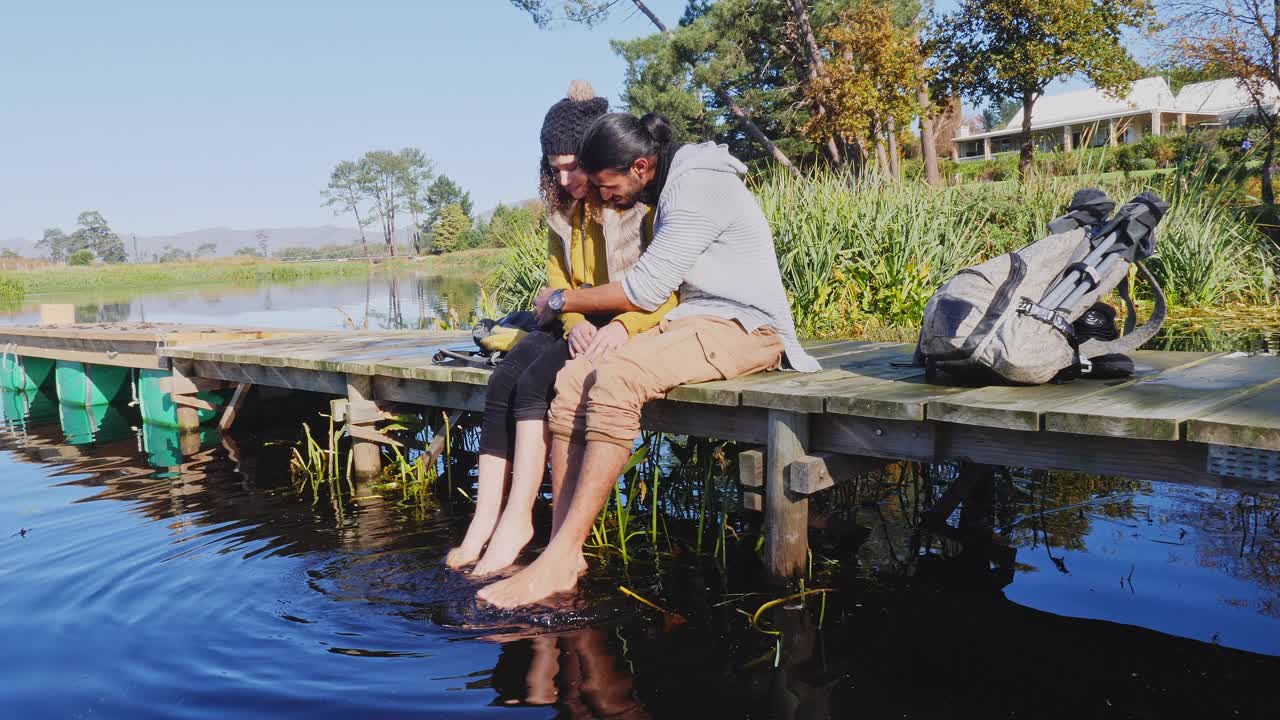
[(505, 545), (547, 576), (478, 533)]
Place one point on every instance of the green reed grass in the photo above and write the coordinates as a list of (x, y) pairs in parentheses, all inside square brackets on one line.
[(860, 258)]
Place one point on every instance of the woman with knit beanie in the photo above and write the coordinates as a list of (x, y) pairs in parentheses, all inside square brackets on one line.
[(587, 245)]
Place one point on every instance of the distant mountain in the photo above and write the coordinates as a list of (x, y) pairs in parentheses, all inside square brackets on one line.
[(228, 240)]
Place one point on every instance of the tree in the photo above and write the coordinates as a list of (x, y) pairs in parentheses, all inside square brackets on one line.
[(345, 193), (589, 13), (384, 178), (1240, 40), (248, 251), (419, 171), (1015, 48), (998, 112), (439, 195), (83, 256), (507, 224), (56, 243), (206, 249), (169, 254), (262, 237), (870, 86), (95, 234), (451, 229)]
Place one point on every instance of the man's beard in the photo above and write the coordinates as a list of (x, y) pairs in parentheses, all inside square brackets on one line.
[(624, 203), (647, 195)]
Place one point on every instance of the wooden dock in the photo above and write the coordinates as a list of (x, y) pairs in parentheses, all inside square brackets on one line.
[(1206, 419)]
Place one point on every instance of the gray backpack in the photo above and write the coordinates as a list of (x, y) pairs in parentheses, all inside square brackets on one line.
[(1010, 318)]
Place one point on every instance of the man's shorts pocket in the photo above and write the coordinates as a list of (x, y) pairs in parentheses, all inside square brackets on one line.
[(736, 353)]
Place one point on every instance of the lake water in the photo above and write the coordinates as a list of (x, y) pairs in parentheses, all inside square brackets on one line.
[(140, 584)]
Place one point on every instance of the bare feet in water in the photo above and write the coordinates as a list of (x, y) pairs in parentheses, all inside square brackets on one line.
[(545, 577), (478, 532), (507, 542)]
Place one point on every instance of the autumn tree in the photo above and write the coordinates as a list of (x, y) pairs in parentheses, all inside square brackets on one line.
[(1014, 48), (869, 86), (737, 108), (1241, 40)]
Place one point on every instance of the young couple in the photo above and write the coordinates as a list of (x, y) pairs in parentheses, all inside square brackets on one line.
[(577, 388)]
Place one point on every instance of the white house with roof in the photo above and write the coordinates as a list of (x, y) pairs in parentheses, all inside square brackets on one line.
[(1092, 118)]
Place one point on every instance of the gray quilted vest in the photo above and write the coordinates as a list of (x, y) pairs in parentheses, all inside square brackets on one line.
[(1010, 317)]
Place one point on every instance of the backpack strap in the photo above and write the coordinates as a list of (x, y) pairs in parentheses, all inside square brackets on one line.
[(1135, 337)]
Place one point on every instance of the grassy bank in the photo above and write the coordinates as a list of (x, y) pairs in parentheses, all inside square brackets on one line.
[(860, 259), (19, 284)]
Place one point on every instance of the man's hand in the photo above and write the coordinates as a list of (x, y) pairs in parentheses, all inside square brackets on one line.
[(541, 312), (581, 337), (606, 340)]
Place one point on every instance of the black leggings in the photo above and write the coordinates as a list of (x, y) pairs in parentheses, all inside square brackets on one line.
[(521, 388)]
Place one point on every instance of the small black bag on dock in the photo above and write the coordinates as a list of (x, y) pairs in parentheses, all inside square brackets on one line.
[(493, 340)]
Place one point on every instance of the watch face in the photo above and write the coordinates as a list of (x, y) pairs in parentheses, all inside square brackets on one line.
[(556, 301)]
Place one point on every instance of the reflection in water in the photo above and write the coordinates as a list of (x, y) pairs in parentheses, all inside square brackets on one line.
[(577, 671), (956, 595), (378, 301)]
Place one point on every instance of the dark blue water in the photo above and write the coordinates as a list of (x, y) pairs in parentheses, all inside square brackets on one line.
[(137, 584)]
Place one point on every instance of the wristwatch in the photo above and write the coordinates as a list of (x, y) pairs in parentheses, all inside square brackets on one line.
[(555, 303)]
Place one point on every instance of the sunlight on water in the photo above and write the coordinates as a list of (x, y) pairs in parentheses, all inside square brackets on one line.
[(150, 573)]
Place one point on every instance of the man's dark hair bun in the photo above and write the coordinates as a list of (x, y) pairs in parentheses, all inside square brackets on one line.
[(659, 127)]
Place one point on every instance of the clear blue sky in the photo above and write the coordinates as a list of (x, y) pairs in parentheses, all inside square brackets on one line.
[(170, 116)]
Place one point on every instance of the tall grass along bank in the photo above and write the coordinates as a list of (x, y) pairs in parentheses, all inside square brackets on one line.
[(18, 284), (860, 258)]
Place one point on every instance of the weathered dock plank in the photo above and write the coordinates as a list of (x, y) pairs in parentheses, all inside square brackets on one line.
[(1156, 407), (1251, 422), (809, 393), (730, 392), (1023, 408)]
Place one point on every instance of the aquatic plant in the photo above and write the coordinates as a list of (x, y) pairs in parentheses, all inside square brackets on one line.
[(317, 466)]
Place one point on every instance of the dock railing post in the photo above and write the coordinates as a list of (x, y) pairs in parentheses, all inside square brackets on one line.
[(366, 456), (786, 543)]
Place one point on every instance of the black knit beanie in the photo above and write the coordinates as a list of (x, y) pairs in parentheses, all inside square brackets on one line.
[(567, 121)]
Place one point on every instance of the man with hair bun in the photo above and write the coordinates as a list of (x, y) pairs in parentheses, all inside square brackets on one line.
[(586, 245), (712, 244)]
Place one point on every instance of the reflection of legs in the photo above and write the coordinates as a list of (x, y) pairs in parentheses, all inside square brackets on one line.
[(541, 678), (515, 528), (491, 485), (606, 691)]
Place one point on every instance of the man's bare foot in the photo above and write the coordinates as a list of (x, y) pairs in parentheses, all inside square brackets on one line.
[(507, 542), (460, 556), (478, 532), (547, 576)]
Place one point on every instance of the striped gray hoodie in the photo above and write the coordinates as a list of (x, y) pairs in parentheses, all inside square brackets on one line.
[(712, 242)]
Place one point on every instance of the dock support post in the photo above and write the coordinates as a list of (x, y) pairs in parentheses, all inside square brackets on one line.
[(366, 456), (786, 543)]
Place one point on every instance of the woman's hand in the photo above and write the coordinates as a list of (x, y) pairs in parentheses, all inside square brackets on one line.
[(606, 340), (541, 313), (581, 337)]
